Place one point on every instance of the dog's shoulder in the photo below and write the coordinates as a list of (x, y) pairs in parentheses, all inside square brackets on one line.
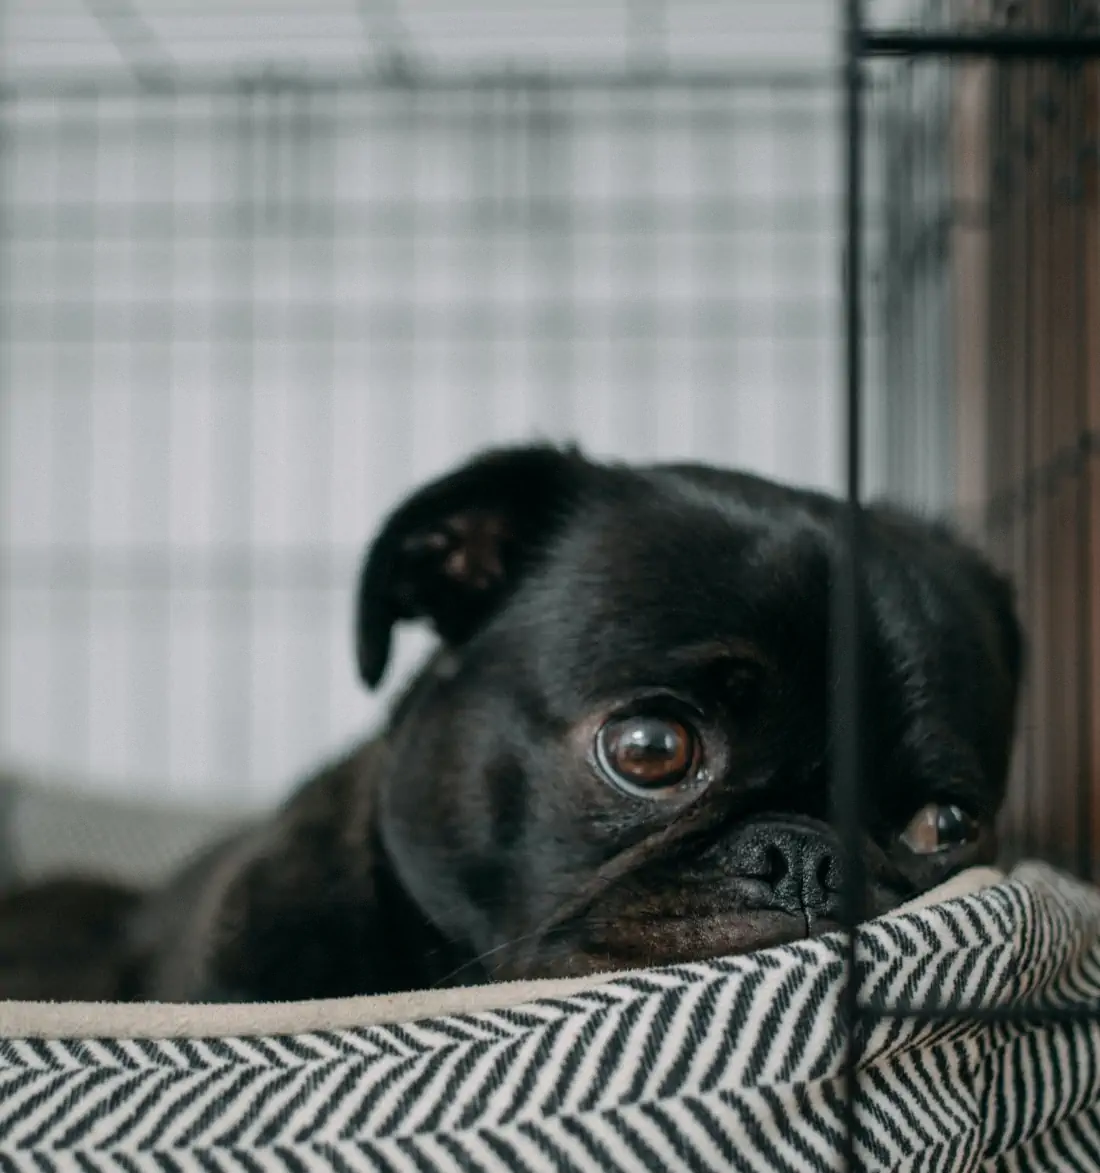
[(251, 911), (342, 786)]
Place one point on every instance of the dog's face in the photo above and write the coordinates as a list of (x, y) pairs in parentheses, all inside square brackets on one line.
[(621, 754)]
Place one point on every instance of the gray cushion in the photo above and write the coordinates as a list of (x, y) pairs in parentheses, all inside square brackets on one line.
[(51, 825)]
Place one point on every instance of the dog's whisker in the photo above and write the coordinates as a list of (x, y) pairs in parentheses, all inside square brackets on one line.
[(481, 957)]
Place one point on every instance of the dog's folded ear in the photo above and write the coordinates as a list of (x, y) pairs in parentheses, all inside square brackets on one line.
[(454, 550)]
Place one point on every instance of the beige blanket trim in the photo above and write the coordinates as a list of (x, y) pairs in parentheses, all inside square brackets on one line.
[(77, 1020)]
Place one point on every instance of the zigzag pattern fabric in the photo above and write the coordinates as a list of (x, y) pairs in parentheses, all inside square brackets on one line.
[(731, 1065)]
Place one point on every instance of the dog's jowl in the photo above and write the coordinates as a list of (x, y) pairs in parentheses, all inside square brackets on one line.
[(619, 755)]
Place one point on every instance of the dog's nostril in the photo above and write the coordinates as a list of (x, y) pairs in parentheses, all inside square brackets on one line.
[(764, 861), (827, 873), (776, 864)]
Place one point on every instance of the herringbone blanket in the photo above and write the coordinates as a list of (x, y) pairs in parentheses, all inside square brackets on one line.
[(733, 1064)]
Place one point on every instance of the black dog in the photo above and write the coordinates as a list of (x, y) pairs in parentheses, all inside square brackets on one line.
[(620, 754)]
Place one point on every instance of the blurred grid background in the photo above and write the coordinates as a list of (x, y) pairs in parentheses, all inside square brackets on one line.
[(266, 266)]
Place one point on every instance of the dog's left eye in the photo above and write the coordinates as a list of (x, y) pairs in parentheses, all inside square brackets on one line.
[(647, 753), (937, 828)]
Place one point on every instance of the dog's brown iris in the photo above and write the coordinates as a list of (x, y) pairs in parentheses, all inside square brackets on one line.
[(647, 752), (935, 828)]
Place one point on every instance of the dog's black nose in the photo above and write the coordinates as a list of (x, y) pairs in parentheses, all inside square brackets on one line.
[(798, 868)]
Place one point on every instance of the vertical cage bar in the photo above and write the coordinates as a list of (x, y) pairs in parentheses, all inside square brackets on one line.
[(947, 306), (1077, 536), (1058, 488), (1089, 480), (846, 615), (908, 235), (8, 115), (1037, 162), (1020, 242), (921, 275)]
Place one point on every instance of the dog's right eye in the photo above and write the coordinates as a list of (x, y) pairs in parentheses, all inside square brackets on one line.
[(935, 828), (643, 754)]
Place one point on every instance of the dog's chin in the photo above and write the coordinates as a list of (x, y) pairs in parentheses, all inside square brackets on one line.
[(649, 942)]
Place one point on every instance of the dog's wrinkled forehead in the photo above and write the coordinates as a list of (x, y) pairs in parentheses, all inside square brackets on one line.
[(642, 579)]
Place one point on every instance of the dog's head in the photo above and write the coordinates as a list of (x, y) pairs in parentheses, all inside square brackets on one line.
[(621, 753)]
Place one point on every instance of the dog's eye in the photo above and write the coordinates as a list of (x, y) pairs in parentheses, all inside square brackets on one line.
[(937, 828), (647, 753)]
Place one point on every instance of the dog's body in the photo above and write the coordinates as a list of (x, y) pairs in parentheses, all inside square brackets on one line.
[(619, 756)]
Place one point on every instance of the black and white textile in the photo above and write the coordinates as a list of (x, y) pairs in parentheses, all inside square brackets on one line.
[(735, 1064)]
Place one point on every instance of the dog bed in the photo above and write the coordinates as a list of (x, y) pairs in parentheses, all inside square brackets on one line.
[(731, 1064)]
